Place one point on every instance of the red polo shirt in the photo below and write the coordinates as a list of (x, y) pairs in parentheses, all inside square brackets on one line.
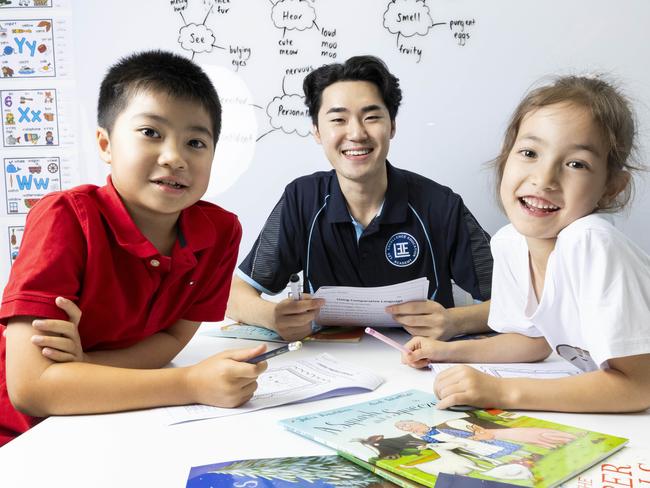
[(83, 245)]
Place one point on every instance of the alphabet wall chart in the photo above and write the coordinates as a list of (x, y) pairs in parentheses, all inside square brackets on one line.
[(37, 112)]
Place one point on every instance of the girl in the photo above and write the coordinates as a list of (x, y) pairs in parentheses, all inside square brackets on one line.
[(564, 278)]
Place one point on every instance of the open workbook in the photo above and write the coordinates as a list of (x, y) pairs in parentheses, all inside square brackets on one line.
[(404, 433), (287, 382)]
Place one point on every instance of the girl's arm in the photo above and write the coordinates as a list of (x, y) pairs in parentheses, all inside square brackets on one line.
[(501, 348), (625, 387), (40, 387)]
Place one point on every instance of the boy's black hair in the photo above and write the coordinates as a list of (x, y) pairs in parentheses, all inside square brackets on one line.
[(357, 68), (160, 71)]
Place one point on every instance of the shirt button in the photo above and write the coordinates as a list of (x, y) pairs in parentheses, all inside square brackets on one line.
[(191, 283), (155, 263)]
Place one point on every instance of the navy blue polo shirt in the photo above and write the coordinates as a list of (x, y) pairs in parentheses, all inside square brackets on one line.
[(423, 229)]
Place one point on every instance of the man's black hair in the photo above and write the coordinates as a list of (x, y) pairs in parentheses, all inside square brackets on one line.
[(158, 71), (357, 68)]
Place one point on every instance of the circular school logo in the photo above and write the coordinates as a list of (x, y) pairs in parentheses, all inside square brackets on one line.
[(402, 250)]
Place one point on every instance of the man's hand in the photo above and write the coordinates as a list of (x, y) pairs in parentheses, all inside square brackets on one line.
[(225, 379), (59, 339), (464, 385), (426, 318), (425, 350), (293, 318)]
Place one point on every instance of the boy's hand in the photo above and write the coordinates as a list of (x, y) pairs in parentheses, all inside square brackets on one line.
[(292, 318), (464, 385), (224, 380), (425, 350), (425, 318), (59, 339)]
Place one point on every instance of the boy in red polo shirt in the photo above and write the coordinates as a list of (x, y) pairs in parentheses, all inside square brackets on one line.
[(142, 257)]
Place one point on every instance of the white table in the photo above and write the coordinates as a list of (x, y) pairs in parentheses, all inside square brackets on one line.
[(137, 449)]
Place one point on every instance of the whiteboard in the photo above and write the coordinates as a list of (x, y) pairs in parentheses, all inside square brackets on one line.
[(463, 66)]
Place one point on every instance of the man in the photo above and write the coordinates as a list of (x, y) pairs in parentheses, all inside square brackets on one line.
[(366, 223)]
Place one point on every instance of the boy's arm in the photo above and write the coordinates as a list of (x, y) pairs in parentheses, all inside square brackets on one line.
[(60, 342), (501, 348), (625, 387), (289, 318), (40, 387), (155, 351)]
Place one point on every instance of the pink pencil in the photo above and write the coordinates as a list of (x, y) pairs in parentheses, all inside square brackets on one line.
[(386, 340)]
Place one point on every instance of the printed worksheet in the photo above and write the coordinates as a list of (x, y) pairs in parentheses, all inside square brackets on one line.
[(309, 379), (546, 369), (365, 306)]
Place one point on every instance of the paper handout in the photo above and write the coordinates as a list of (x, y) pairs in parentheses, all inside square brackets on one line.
[(309, 379), (518, 370), (365, 306)]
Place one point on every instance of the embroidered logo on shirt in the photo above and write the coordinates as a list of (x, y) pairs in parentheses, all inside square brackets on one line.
[(402, 249)]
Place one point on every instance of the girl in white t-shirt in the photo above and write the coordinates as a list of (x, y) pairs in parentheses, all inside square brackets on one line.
[(564, 279)]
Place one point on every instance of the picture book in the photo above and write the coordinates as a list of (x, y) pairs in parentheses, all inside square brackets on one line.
[(314, 471), (404, 433), (256, 333), (629, 468)]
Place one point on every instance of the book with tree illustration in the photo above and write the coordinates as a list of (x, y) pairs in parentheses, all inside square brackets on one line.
[(404, 433), (314, 471)]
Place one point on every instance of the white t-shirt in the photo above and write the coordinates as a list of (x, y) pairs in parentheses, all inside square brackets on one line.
[(596, 299)]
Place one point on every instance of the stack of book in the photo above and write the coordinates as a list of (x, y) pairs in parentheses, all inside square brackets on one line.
[(403, 440)]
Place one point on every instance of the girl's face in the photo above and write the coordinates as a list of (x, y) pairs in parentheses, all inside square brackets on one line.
[(556, 171)]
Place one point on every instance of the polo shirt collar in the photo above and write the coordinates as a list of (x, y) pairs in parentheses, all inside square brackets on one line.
[(395, 204), (196, 229)]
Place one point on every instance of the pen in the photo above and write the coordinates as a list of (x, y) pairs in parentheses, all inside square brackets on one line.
[(292, 346), (294, 283), (387, 340)]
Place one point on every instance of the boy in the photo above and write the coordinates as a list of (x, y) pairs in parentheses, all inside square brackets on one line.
[(142, 257), (366, 223)]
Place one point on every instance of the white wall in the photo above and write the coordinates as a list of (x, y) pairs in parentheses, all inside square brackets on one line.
[(457, 98)]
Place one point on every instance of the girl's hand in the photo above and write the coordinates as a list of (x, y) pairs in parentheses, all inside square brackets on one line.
[(59, 339), (225, 379), (425, 350), (464, 385)]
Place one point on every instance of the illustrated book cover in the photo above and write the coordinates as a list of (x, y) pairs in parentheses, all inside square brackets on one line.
[(404, 433)]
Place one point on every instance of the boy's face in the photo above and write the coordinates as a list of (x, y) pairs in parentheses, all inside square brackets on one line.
[(160, 151), (556, 172), (355, 130)]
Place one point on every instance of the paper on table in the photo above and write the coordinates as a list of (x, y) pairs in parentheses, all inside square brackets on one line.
[(365, 306), (517, 370), (309, 379)]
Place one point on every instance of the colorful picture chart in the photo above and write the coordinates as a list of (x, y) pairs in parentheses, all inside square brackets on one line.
[(25, 3), (29, 118), (27, 48), (28, 179), (15, 238)]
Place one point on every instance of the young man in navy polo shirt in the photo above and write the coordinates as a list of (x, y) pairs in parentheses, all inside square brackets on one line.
[(366, 223), (142, 257)]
